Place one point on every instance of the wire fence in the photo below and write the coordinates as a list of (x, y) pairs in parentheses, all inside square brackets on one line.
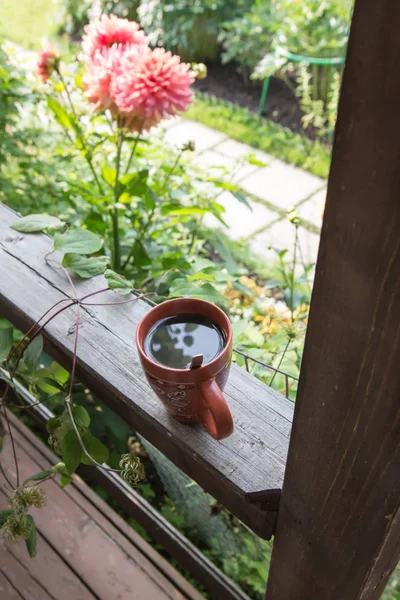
[(250, 359)]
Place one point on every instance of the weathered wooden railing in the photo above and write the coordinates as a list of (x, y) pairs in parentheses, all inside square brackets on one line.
[(244, 472)]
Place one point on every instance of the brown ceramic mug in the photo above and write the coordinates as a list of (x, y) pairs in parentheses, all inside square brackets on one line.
[(191, 395)]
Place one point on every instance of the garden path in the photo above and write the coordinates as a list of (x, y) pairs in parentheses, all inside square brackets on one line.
[(272, 188)]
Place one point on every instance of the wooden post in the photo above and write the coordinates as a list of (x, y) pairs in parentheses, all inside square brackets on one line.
[(338, 530)]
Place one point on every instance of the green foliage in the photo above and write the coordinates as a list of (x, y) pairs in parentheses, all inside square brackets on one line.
[(71, 451), (39, 476), (31, 540), (189, 27), (317, 30), (84, 266), (95, 448), (116, 282), (246, 127), (247, 38), (37, 223), (6, 340), (73, 15), (78, 241), (33, 353)]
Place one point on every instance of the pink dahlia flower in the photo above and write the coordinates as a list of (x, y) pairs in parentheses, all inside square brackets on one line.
[(100, 71), (47, 59), (150, 85), (109, 31)]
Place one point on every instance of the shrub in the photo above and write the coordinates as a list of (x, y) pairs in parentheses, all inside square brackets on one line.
[(73, 15), (247, 38), (189, 27), (311, 29)]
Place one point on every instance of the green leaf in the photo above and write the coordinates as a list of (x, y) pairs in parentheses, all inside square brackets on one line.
[(225, 185), (140, 257), (200, 276), (47, 385), (37, 223), (116, 282), (4, 324), (184, 211), (33, 353), (32, 537), (253, 160), (52, 424), (60, 374), (65, 480), (39, 476), (243, 199), (6, 341), (81, 415), (150, 199), (109, 175), (185, 289), (202, 263), (4, 514), (71, 451), (79, 241), (95, 448), (254, 335), (86, 267), (61, 115), (225, 254)]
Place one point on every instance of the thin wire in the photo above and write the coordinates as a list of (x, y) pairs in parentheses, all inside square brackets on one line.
[(264, 364)]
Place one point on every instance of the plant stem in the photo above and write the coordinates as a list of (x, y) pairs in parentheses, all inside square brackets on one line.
[(167, 178), (296, 239), (280, 361), (87, 152), (12, 441), (134, 149), (114, 215), (151, 215)]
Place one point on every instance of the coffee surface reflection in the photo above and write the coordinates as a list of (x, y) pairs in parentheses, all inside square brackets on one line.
[(175, 340)]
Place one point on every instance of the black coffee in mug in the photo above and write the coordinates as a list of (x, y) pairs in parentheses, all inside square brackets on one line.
[(175, 340)]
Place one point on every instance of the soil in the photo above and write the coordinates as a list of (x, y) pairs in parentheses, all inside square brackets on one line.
[(224, 81)]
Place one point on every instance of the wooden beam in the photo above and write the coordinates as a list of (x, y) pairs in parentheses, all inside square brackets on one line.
[(251, 460), (338, 531)]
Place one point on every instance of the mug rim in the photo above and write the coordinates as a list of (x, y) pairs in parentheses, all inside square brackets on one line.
[(140, 336)]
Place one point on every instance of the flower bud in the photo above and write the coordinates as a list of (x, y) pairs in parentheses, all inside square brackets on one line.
[(199, 70), (132, 469)]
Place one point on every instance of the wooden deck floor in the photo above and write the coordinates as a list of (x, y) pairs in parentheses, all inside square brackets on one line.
[(85, 550)]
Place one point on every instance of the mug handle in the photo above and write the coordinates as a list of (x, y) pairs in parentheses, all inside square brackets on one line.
[(217, 418)]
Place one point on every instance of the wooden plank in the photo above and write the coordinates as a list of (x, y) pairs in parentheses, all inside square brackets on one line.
[(19, 576), (105, 516), (48, 569), (106, 561), (338, 532), (251, 460), (7, 589), (127, 498)]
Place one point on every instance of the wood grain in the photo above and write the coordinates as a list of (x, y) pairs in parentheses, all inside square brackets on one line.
[(338, 532), (108, 562), (251, 460)]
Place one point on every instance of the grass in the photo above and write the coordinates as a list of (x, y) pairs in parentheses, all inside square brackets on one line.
[(26, 22), (247, 127)]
